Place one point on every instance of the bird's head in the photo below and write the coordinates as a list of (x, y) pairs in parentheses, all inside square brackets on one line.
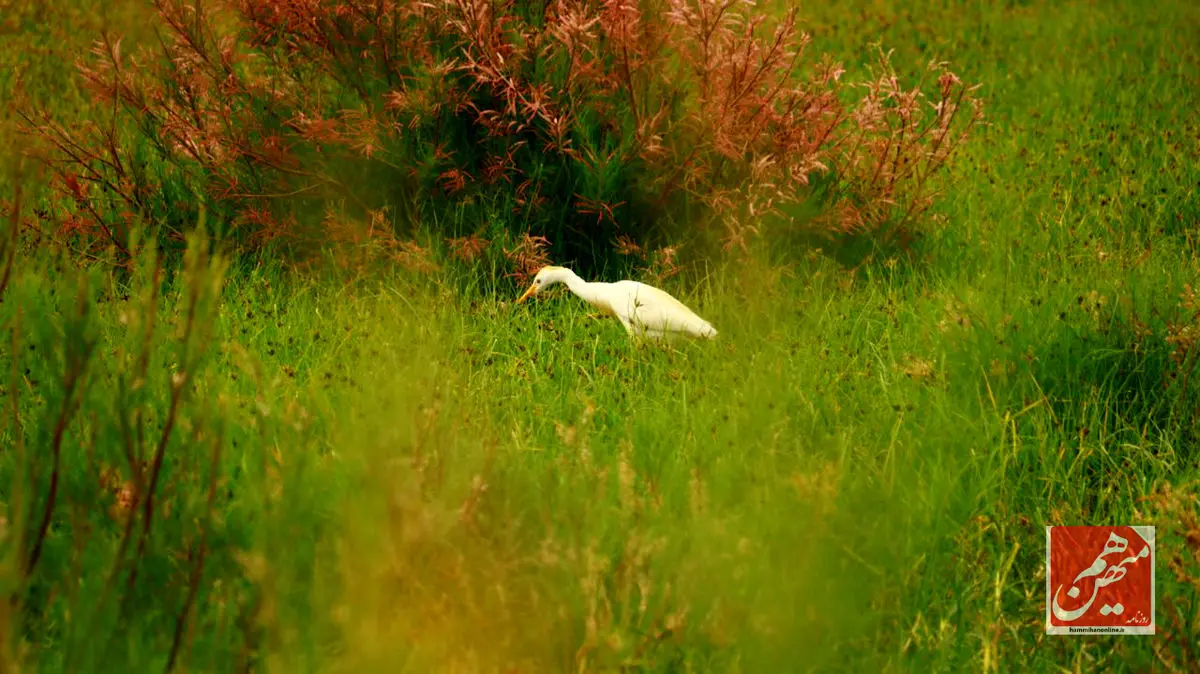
[(546, 277)]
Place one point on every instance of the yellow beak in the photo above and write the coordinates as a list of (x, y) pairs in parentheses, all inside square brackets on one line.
[(527, 294)]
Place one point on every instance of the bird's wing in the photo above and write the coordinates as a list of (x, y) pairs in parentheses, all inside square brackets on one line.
[(652, 309)]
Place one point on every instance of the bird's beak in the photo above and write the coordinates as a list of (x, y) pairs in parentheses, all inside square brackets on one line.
[(527, 294)]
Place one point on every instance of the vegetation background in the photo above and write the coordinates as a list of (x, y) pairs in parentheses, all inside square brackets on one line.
[(274, 410)]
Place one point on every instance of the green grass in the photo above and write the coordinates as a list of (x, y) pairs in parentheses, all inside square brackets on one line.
[(854, 477)]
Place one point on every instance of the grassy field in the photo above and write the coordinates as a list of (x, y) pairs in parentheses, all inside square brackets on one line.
[(387, 471)]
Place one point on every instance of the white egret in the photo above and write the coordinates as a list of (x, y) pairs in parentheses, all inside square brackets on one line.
[(644, 310)]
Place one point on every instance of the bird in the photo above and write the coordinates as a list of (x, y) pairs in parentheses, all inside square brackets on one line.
[(644, 310)]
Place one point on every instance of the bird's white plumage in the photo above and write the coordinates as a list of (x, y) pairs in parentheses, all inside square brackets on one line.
[(643, 309)]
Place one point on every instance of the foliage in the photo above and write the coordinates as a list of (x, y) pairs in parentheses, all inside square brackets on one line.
[(578, 121)]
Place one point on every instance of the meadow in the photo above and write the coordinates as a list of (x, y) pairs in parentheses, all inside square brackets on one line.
[(221, 461)]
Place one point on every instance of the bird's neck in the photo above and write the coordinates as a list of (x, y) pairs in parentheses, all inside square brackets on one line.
[(589, 292)]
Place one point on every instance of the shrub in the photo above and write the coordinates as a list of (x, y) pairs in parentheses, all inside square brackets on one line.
[(584, 122)]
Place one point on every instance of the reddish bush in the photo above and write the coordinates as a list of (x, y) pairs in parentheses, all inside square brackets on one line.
[(583, 121)]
